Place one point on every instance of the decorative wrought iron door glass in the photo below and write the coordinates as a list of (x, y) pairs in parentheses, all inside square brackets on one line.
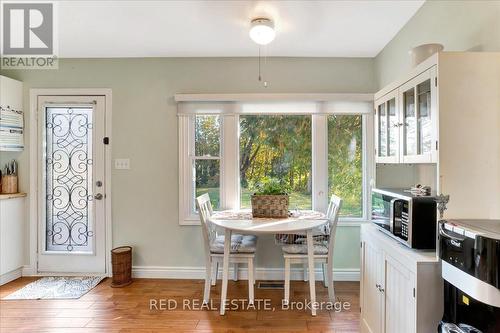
[(68, 178)]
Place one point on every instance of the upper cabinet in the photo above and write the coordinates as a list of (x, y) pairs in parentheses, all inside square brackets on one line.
[(387, 128), (406, 122), (447, 115)]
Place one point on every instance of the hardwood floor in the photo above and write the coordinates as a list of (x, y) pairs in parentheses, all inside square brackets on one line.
[(127, 310)]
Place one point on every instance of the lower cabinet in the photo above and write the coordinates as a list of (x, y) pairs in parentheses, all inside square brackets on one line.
[(401, 289), (12, 236), (371, 296), (399, 286)]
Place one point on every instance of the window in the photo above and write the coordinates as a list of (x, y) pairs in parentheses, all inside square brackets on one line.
[(345, 162), (276, 146), (315, 148), (206, 159)]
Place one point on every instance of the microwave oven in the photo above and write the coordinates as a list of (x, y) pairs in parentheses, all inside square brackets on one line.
[(410, 219)]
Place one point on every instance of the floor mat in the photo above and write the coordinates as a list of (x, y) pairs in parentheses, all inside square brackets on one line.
[(59, 287)]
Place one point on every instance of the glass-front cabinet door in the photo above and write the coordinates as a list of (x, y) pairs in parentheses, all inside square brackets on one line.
[(409, 123), (387, 129), (424, 120), (418, 119)]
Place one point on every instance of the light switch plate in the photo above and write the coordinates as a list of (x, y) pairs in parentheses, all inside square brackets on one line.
[(122, 163)]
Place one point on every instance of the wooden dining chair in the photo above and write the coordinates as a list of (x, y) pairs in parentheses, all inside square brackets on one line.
[(323, 250), (243, 249)]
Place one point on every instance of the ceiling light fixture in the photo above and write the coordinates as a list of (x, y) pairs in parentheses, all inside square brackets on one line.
[(262, 31)]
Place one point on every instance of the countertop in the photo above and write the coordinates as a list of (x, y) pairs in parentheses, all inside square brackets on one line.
[(5, 196)]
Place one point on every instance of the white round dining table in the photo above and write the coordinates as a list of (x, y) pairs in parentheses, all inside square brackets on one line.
[(241, 221)]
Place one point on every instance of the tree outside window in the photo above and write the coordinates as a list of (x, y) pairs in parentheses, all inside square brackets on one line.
[(276, 146), (206, 160), (345, 162)]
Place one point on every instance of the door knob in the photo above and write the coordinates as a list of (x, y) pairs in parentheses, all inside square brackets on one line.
[(98, 196)]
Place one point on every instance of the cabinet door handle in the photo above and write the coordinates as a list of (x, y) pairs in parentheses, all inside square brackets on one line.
[(382, 290), (377, 286)]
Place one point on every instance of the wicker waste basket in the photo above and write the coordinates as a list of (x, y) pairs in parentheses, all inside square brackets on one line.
[(121, 259)]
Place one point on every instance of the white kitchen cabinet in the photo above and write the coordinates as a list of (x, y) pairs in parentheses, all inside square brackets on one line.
[(462, 145), (418, 114), (12, 221), (372, 264), (387, 128), (401, 289), (397, 294), (406, 121)]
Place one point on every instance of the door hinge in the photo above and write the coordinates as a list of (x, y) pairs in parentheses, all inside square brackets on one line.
[(375, 111), (361, 244), (436, 81), (437, 145), (106, 140), (413, 292)]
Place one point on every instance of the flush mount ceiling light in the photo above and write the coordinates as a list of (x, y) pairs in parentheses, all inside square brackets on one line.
[(262, 31)]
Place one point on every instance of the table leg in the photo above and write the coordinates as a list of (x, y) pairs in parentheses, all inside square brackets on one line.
[(225, 270), (312, 279), (250, 281)]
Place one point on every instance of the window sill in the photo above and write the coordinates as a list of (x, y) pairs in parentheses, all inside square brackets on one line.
[(344, 223), (352, 223)]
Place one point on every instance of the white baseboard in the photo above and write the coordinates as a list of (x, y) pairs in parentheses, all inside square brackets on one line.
[(29, 271), (166, 272), (193, 272), (11, 276)]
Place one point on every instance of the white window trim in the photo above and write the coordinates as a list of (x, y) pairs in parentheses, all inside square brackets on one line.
[(229, 106)]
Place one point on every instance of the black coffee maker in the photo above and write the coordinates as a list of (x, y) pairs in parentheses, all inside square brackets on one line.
[(470, 253)]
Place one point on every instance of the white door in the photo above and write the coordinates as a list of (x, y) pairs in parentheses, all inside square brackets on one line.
[(399, 297), (371, 318), (71, 185)]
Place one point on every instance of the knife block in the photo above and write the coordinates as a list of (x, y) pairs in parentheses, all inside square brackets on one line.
[(9, 184)]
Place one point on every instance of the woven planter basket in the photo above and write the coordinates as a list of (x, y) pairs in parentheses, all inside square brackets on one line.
[(270, 205)]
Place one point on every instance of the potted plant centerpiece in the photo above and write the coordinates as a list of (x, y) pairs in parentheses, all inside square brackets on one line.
[(270, 199)]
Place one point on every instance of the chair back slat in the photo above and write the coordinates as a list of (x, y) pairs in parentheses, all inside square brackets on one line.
[(205, 210), (332, 214)]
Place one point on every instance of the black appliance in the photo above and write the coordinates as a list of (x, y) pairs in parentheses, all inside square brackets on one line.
[(470, 253), (411, 219)]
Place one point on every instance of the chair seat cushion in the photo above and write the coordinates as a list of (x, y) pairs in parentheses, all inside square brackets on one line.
[(239, 244), (302, 249)]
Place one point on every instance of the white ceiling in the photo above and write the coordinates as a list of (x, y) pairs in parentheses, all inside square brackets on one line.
[(220, 28)]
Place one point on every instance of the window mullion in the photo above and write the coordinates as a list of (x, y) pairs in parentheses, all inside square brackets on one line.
[(230, 198), (319, 162)]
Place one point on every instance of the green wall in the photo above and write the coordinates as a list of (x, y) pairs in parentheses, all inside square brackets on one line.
[(145, 198), (458, 25)]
